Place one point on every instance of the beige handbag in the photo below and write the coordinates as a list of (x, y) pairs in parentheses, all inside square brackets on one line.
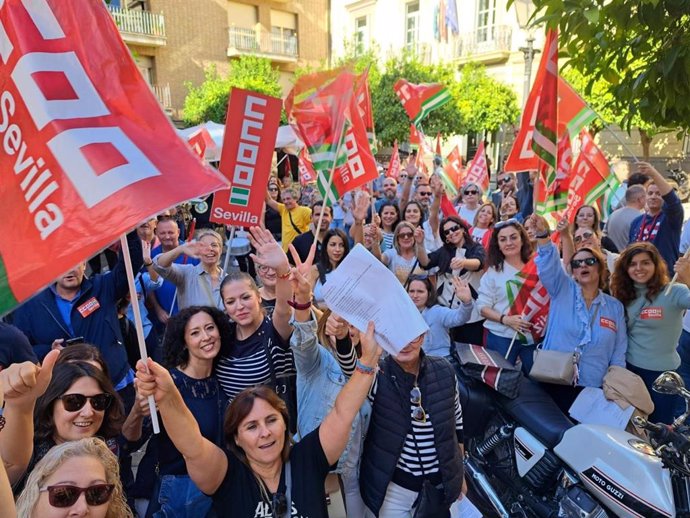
[(555, 367)]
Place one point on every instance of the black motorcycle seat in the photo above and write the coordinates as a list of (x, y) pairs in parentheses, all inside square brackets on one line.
[(477, 403), (535, 410)]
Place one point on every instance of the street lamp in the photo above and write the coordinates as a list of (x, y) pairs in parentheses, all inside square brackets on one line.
[(524, 10)]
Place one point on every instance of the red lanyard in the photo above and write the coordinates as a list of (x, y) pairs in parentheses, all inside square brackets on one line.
[(640, 233)]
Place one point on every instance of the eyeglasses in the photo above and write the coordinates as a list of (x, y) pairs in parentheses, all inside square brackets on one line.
[(75, 402), (424, 193), (405, 235), (448, 231), (66, 496), (472, 192), (579, 263), (501, 181), (585, 235), (418, 412), (506, 223)]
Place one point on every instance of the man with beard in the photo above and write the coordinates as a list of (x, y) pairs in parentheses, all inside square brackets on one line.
[(662, 223), (390, 192), (303, 242)]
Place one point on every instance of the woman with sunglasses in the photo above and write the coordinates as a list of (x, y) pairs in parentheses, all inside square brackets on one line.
[(471, 201), (654, 315), (584, 237), (509, 252), (75, 478), (402, 258), (460, 256), (261, 473), (272, 219), (193, 341), (389, 217), (582, 318), (587, 217), (483, 224), (335, 248)]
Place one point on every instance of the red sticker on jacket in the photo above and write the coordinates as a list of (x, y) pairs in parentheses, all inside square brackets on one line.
[(652, 314), (88, 307), (608, 323)]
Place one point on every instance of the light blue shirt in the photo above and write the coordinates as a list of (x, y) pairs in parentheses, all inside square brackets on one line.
[(440, 319), (149, 286), (599, 332)]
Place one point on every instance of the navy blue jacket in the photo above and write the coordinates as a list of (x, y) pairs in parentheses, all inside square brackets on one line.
[(41, 321)]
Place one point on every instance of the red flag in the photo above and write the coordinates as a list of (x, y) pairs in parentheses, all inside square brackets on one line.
[(365, 110), (307, 174), (414, 135), (593, 154), (478, 171), (545, 135), (200, 141), (419, 100), (250, 137), (573, 111), (447, 207), (453, 168), (584, 180), (394, 164), (87, 151), (529, 299), (438, 144)]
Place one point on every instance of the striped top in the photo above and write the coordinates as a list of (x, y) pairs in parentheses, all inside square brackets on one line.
[(418, 456), (245, 363)]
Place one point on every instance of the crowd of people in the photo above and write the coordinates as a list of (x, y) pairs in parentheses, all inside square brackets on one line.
[(269, 401)]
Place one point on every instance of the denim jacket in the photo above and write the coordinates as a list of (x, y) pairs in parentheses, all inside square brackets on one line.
[(319, 380)]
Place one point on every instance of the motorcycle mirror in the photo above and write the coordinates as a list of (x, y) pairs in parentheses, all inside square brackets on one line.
[(669, 383)]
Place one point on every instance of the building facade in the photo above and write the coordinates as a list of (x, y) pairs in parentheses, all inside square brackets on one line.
[(175, 41)]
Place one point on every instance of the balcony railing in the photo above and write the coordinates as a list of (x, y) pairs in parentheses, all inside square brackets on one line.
[(137, 26), (488, 44), (279, 47), (162, 93)]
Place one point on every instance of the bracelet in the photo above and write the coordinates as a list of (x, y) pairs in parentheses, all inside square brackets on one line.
[(148, 264), (298, 306), (2, 417), (365, 369), (284, 276), (501, 319)]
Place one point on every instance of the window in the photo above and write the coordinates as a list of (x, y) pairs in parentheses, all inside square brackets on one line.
[(412, 25), (486, 19), (283, 33), (361, 36)]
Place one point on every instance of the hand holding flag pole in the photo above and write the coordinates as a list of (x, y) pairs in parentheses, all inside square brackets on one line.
[(138, 325), (675, 275)]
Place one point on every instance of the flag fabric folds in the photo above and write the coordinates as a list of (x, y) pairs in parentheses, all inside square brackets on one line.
[(419, 100), (478, 171), (394, 164)]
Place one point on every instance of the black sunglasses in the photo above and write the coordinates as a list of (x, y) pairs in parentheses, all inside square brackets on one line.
[(471, 192), (504, 180), (424, 193), (448, 231), (66, 496), (75, 402), (418, 413), (579, 263)]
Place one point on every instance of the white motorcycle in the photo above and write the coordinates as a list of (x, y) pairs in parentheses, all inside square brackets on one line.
[(525, 458)]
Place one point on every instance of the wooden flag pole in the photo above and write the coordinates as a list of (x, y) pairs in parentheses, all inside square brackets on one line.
[(675, 275), (138, 325)]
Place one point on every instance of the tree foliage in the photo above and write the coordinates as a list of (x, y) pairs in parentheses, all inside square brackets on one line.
[(484, 102), (209, 100), (639, 48)]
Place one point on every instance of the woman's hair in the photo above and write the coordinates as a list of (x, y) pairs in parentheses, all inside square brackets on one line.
[(602, 267), (53, 460), (623, 287), (276, 182), (494, 212), (208, 232), (242, 406), (174, 344), (597, 218), (324, 264), (82, 353), (64, 376), (461, 223), (428, 285), (495, 255), (421, 211), (397, 211), (403, 224)]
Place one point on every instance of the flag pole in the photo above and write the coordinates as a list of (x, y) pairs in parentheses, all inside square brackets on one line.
[(227, 251), (138, 324), (190, 236), (675, 275), (327, 192)]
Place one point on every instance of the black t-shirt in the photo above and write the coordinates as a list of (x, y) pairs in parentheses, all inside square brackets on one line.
[(302, 244), (14, 346), (239, 495)]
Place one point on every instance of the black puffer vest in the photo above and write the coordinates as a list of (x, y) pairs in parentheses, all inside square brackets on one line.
[(390, 423)]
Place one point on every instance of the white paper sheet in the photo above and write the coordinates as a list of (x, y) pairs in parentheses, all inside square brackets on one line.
[(363, 289), (592, 407), (464, 509)]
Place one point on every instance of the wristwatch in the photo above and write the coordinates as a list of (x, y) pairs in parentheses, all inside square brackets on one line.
[(543, 235)]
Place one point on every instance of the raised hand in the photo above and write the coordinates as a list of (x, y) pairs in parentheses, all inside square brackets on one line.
[(563, 226), (25, 382), (194, 249), (359, 212), (154, 380), (371, 350), (436, 185), (336, 326), (146, 251), (540, 223), (300, 274), (419, 235), (462, 289), (268, 251)]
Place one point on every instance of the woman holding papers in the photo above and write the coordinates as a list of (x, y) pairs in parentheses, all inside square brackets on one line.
[(654, 318), (261, 473), (440, 319), (582, 318), (509, 252)]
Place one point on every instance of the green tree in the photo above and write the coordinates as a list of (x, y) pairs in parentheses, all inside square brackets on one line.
[(640, 48), (209, 100), (484, 103)]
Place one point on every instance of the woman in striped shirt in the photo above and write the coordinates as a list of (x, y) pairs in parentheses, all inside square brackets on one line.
[(260, 352)]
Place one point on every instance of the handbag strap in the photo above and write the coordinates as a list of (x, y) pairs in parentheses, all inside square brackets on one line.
[(409, 275), (293, 223), (288, 490)]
